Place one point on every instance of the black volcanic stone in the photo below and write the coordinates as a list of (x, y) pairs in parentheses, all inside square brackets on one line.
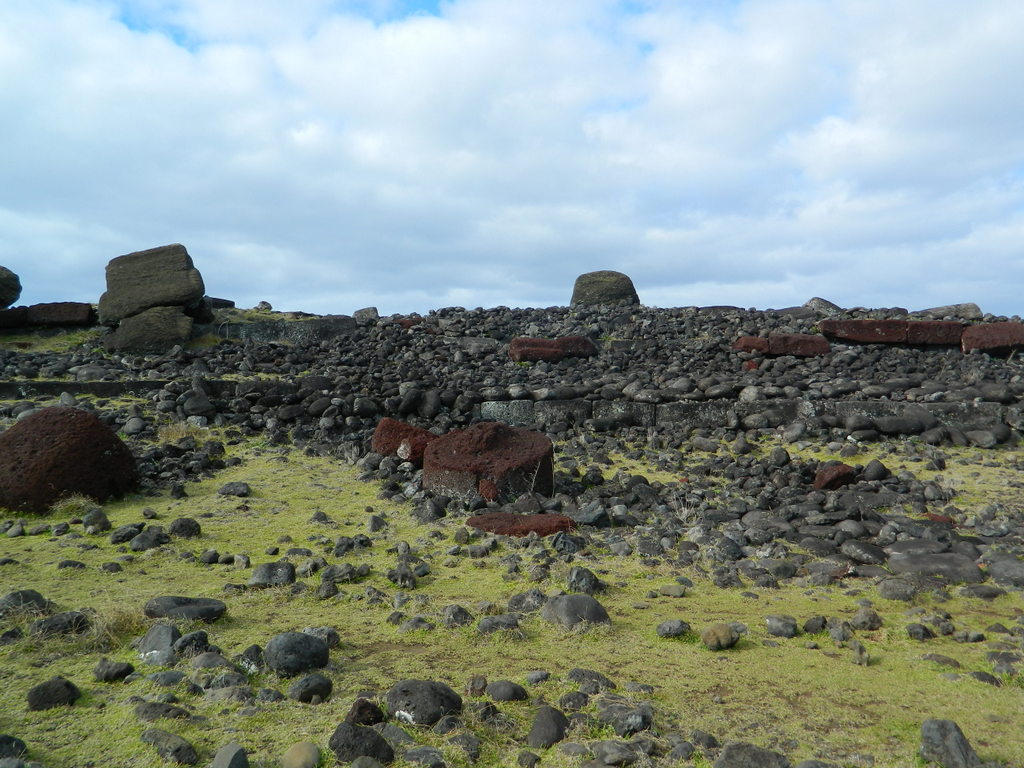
[(422, 702), (56, 692), (292, 653), (349, 742), (206, 609)]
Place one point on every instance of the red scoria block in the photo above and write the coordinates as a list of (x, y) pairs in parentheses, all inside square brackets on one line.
[(511, 524), (396, 438), (797, 344), (867, 331), (992, 337), (941, 332)]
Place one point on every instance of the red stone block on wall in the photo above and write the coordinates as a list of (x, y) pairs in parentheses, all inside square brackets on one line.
[(866, 331), (992, 337), (797, 344), (934, 332)]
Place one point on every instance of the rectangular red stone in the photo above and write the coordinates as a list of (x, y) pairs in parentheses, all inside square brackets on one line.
[(751, 344), (866, 331), (992, 336), (525, 349), (934, 332), (798, 344)]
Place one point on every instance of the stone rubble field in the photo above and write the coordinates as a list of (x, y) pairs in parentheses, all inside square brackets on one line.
[(695, 551)]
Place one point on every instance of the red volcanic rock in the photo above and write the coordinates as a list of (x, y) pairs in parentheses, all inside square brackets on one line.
[(834, 476), (58, 452), (396, 438), (511, 524), (992, 337), (867, 331), (751, 344), (797, 344), (526, 349), (61, 313), (934, 332), (491, 459)]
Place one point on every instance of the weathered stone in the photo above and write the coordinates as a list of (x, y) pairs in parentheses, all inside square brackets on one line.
[(170, 746), (603, 287), (751, 344), (866, 331), (158, 277), (151, 331), (572, 610), (57, 452), (943, 742), (719, 636), (512, 524), (206, 609), (992, 337), (397, 438), (797, 344), (949, 565), (422, 702), (61, 313), (833, 476), (526, 349), (10, 287), (742, 755), (489, 459), (937, 332), (56, 692)]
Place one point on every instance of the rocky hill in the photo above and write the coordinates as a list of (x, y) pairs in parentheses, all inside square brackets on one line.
[(790, 536)]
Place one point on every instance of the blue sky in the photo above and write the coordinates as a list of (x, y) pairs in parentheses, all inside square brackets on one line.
[(328, 155)]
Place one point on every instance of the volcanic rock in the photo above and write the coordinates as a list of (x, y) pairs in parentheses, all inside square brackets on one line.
[(57, 452), (512, 524), (603, 287), (422, 702), (491, 460), (527, 349), (158, 277), (349, 742), (992, 337), (56, 692), (571, 610), (170, 746), (206, 609), (151, 331), (292, 653), (943, 742), (797, 344), (397, 438), (10, 287)]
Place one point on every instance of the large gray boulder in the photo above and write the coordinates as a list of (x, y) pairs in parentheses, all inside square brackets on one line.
[(603, 287), (158, 277), (155, 330), (10, 288)]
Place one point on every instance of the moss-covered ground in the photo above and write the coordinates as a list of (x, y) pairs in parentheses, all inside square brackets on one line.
[(784, 694)]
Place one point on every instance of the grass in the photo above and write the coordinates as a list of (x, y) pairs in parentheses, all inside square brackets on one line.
[(785, 695), (49, 340)]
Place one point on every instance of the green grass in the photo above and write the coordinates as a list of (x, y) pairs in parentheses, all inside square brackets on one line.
[(798, 700)]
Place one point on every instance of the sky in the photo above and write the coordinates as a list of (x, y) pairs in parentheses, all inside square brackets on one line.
[(329, 155)]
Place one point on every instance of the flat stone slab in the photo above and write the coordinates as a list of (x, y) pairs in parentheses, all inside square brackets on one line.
[(206, 609), (511, 524), (948, 565)]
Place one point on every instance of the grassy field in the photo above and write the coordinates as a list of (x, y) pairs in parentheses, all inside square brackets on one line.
[(802, 696)]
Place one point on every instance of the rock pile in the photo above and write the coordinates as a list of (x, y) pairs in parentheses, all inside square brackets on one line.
[(151, 300)]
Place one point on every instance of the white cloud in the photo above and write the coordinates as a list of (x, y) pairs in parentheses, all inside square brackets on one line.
[(327, 155)]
